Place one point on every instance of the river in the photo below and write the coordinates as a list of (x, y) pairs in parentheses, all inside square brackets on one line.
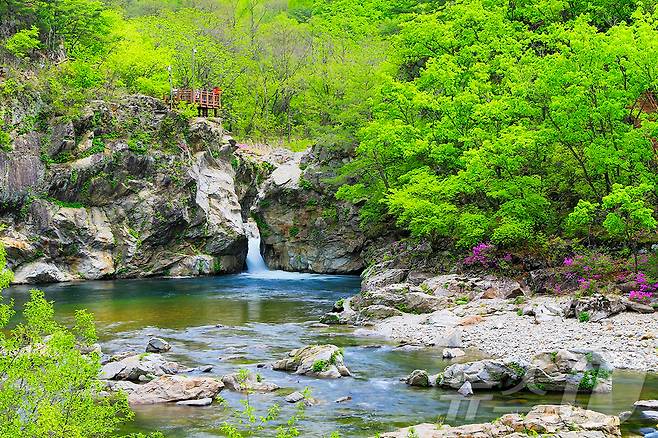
[(239, 321)]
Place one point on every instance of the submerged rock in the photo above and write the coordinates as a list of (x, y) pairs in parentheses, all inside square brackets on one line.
[(295, 397), (198, 402), (646, 404), (314, 360), (555, 420), (451, 353), (466, 389)]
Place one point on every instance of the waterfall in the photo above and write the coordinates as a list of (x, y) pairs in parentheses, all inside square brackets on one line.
[(256, 267), (255, 262)]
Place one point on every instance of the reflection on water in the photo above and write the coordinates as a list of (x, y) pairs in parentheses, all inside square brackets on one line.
[(238, 321)]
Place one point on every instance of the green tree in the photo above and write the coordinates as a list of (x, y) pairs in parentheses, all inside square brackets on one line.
[(628, 218), (48, 381)]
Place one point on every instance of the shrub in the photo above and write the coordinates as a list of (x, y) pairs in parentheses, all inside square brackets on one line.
[(583, 317), (319, 366), (5, 141), (23, 42)]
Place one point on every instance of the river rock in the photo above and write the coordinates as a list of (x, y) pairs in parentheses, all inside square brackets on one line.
[(418, 378), (646, 404), (570, 371), (563, 421), (168, 389), (247, 383), (158, 345), (484, 374), (295, 397), (132, 367), (199, 402), (314, 360), (452, 353), (598, 307), (634, 306), (466, 390), (651, 415), (547, 312)]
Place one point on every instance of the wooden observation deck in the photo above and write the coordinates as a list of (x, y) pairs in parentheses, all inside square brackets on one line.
[(204, 99)]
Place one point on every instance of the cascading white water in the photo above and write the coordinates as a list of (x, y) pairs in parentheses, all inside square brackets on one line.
[(255, 262), (256, 267)]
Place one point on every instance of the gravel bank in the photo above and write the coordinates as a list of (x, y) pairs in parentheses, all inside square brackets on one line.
[(627, 340)]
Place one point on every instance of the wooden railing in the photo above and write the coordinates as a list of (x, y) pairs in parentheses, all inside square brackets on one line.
[(204, 99)]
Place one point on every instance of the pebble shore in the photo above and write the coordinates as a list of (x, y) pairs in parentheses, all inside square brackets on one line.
[(627, 340)]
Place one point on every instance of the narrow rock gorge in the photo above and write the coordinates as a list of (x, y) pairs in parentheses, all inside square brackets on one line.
[(132, 189)]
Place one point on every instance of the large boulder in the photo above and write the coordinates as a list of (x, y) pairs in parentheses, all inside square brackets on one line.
[(167, 389), (314, 360), (547, 312), (418, 378), (373, 278), (488, 287), (157, 345), (560, 421), (597, 307), (40, 272), (484, 374), (402, 297), (570, 371), (133, 367)]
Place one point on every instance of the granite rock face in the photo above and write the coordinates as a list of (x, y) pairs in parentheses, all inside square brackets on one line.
[(303, 227), (129, 189)]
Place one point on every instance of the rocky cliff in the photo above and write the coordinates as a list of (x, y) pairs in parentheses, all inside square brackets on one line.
[(131, 189), (127, 189), (303, 227)]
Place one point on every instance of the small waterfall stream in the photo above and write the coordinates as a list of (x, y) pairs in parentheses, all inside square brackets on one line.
[(255, 262), (256, 266)]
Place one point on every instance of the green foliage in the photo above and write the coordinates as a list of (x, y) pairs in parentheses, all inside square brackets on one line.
[(139, 142), (48, 387), (590, 378), (507, 125), (320, 366), (246, 422), (23, 42), (583, 317), (5, 141)]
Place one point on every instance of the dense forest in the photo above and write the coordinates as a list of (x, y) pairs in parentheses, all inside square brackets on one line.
[(510, 120)]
